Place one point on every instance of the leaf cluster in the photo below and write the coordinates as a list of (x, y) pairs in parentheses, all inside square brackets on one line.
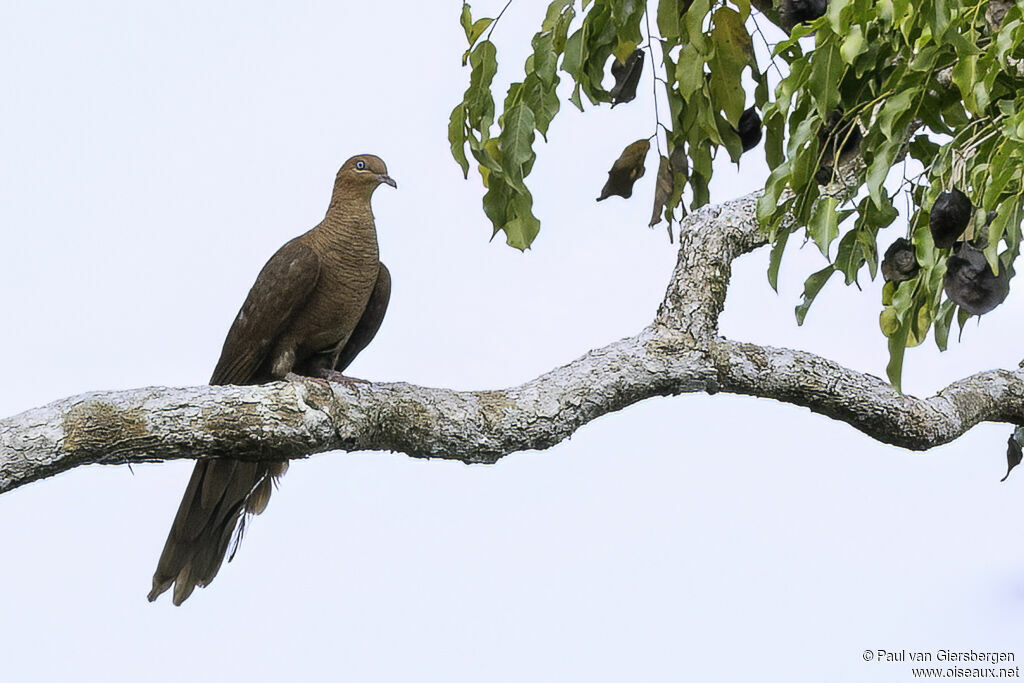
[(506, 159), (705, 49), (936, 83), (931, 81)]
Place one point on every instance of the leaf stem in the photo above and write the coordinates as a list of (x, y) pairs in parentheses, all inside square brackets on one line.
[(654, 83), (495, 22), (768, 46)]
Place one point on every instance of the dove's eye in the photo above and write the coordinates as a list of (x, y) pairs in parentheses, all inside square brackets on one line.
[(360, 165)]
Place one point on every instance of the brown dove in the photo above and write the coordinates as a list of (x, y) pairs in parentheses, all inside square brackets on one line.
[(315, 305)]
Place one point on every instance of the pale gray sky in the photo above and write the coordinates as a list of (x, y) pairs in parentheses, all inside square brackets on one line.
[(154, 155)]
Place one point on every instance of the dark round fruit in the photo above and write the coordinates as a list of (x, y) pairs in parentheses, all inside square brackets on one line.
[(900, 261), (749, 129), (970, 282), (949, 217)]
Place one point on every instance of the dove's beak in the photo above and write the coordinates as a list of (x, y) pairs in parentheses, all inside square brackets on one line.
[(387, 180)]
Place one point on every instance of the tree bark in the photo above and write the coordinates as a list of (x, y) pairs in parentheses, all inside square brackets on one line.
[(679, 352)]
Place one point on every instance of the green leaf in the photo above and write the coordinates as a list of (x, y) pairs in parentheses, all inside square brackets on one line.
[(962, 317), (574, 57), (466, 19), (923, 149), (768, 203), (942, 323), (939, 17), (889, 321), (625, 18), (852, 253), (543, 101), (878, 170), (920, 323), (477, 30), (561, 28), (868, 250), (689, 71), (853, 45), (812, 286), (623, 49), (733, 51), (602, 31), (907, 303), (1005, 167), (479, 103), (805, 161), (488, 155), (515, 90), (875, 217), (523, 226), (668, 19), (473, 29), (838, 15), (730, 35), (555, 14), (693, 21), (575, 97), (517, 143), (824, 224), (496, 200), (775, 258), (926, 58), (1007, 223), (545, 61), (897, 348), (888, 291), (457, 137), (965, 75), (773, 138), (893, 109), (826, 72)]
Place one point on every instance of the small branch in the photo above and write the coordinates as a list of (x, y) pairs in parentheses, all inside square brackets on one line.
[(768, 47), (494, 23), (866, 402), (709, 240), (654, 84)]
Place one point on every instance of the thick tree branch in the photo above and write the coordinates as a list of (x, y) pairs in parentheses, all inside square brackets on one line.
[(679, 352), (866, 402), (696, 293), (297, 419)]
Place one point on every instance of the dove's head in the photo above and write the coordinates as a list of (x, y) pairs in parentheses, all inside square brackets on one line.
[(360, 176)]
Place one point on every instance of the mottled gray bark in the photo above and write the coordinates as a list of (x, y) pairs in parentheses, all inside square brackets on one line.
[(680, 351)]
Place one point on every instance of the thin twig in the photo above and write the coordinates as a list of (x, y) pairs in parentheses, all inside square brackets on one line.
[(654, 85), (768, 46), (495, 22)]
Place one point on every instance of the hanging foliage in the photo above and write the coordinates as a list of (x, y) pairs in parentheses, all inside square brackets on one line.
[(862, 87)]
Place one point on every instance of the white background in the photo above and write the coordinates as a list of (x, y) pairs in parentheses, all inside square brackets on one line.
[(151, 160)]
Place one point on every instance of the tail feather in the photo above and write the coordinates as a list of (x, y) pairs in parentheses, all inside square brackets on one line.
[(183, 586), (257, 501), (221, 494), (214, 486)]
